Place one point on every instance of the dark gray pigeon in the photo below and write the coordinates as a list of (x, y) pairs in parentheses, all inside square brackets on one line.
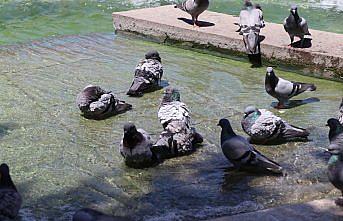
[(335, 173), (335, 136), (10, 199), (148, 74), (178, 135), (194, 8), (242, 154), (296, 26), (96, 103), (87, 214), (264, 127), (250, 23), (135, 147), (340, 114), (283, 89)]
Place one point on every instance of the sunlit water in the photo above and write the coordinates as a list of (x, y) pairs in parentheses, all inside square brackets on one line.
[(62, 162)]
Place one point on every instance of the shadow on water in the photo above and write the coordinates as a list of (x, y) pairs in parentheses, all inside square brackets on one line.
[(296, 103), (5, 128), (200, 23)]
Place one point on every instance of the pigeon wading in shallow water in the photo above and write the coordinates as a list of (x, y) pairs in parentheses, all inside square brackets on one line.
[(242, 154), (87, 214), (96, 103), (148, 74), (335, 135), (10, 199), (340, 114), (135, 147), (282, 89), (178, 135), (194, 8), (296, 26), (264, 127)]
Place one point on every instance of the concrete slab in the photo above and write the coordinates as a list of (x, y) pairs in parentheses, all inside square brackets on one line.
[(318, 210), (164, 23)]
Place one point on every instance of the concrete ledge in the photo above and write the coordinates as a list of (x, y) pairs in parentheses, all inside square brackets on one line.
[(162, 23), (318, 210)]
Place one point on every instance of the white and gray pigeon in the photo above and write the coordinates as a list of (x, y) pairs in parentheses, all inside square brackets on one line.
[(174, 115), (264, 127), (97, 103), (135, 147), (194, 8), (148, 74), (10, 199), (242, 154), (335, 136), (340, 114), (282, 89), (87, 214), (250, 23), (296, 26)]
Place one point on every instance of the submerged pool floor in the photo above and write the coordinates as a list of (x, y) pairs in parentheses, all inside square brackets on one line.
[(62, 162)]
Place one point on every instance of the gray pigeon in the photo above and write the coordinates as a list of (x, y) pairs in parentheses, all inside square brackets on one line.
[(242, 154), (340, 114), (296, 25), (283, 89), (178, 135), (10, 199), (335, 173), (87, 214), (135, 147), (148, 74), (96, 103), (194, 8), (335, 136), (250, 23), (264, 127)]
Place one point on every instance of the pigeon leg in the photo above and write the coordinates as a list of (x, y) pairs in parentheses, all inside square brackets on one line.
[(195, 22), (280, 106), (292, 39)]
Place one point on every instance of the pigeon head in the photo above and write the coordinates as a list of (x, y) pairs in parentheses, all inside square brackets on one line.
[(4, 170), (250, 109), (5, 178), (270, 71), (129, 129), (171, 94), (335, 127), (153, 55), (225, 125), (248, 4), (294, 9), (258, 6)]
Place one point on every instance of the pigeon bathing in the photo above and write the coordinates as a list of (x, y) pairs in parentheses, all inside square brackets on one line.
[(242, 154), (97, 103), (282, 89), (296, 26), (10, 199), (194, 8), (264, 127), (148, 74)]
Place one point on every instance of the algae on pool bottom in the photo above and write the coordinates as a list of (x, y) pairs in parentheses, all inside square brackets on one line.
[(61, 161)]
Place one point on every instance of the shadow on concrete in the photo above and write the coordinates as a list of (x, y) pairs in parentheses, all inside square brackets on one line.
[(296, 103), (307, 43), (200, 23)]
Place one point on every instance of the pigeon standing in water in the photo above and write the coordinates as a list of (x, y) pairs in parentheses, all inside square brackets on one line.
[(87, 214), (264, 127), (148, 74), (10, 199), (96, 103), (296, 25), (178, 135), (340, 114), (335, 135), (194, 8), (283, 89), (242, 154), (135, 147)]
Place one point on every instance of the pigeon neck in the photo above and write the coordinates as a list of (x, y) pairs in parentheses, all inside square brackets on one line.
[(271, 82), (296, 16), (131, 140), (226, 133), (6, 182), (334, 131)]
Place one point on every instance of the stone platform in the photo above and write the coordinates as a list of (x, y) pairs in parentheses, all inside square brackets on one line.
[(166, 23)]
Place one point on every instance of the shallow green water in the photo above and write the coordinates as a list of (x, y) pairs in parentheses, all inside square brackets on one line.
[(24, 20), (62, 162)]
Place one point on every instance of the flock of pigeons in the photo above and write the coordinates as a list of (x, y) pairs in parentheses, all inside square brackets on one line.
[(178, 137)]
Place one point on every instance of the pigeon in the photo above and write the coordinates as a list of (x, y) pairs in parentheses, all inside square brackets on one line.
[(194, 8), (296, 26), (283, 89), (264, 127), (340, 114), (250, 23), (335, 173), (10, 199), (178, 135), (335, 136), (96, 103), (242, 154), (135, 147), (87, 214), (148, 74)]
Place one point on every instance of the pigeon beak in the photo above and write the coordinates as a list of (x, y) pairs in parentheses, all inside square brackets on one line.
[(218, 125), (293, 12), (327, 125)]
